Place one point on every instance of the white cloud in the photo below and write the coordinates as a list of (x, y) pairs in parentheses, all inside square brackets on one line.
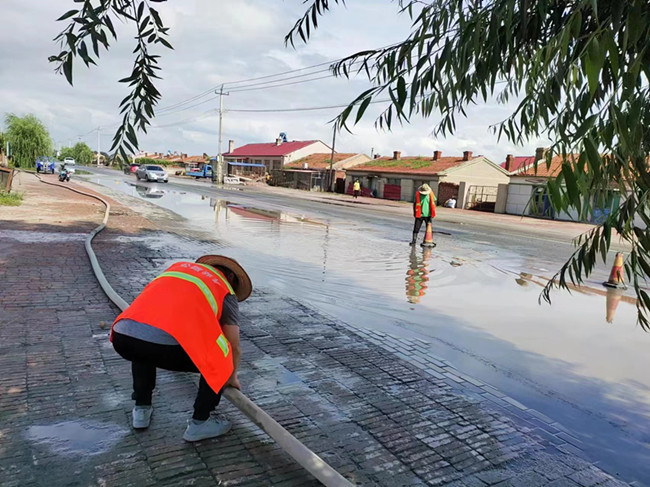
[(217, 42)]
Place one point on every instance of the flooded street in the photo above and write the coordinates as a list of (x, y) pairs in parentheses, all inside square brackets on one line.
[(582, 361)]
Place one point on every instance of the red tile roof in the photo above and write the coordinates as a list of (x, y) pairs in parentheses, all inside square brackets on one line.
[(269, 149), (419, 165), (192, 159), (318, 161), (545, 171), (519, 162)]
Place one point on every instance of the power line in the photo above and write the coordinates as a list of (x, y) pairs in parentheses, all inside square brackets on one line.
[(267, 77), (301, 109), (280, 85)]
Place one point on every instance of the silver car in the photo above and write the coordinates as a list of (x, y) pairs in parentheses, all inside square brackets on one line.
[(152, 173)]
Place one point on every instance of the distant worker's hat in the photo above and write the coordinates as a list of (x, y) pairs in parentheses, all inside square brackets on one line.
[(244, 287), (425, 188)]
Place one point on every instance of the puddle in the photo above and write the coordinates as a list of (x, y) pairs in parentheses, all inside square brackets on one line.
[(77, 438)]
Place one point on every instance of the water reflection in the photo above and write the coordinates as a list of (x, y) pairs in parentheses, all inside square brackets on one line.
[(149, 191), (417, 275), (612, 296)]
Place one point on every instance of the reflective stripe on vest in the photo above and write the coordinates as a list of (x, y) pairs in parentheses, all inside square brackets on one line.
[(198, 283), (218, 274), (223, 344)]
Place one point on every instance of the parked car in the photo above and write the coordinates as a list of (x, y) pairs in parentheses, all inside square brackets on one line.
[(45, 164), (131, 168), (152, 173)]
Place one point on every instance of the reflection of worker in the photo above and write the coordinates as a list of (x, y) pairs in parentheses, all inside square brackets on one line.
[(417, 275), (356, 187), (186, 320), (424, 209)]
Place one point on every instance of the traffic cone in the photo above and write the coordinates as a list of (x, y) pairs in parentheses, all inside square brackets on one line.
[(428, 237), (613, 298), (616, 276)]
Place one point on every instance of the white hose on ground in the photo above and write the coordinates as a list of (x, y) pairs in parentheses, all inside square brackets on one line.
[(285, 440)]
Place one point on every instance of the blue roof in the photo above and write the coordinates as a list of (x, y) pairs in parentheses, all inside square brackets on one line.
[(249, 164)]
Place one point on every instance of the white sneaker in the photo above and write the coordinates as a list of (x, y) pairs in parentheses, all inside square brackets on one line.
[(210, 428), (141, 416)]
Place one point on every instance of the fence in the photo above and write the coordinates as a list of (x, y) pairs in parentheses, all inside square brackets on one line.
[(6, 176)]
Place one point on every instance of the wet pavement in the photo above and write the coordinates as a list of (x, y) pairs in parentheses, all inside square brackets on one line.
[(473, 300), (379, 408)]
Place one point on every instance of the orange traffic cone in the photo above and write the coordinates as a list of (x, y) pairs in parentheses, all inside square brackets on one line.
[(616, 276), (613, 298), (428, 237)]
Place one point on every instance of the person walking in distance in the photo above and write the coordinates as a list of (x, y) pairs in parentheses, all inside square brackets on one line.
[(357, 188), (424, 209), (186, 320)]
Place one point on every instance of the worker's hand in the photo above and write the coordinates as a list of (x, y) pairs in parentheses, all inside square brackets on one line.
[(234, 382)]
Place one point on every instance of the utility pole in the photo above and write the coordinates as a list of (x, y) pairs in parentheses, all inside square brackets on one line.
[(220, 168), (98, 144), (331, 178)]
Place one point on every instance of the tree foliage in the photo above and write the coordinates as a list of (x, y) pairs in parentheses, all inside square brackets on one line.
[(80, 152), (578, 71), (90, 28), (28, 138)]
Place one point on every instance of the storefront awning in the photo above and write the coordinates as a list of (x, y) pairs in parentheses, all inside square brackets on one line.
[(248, 164)]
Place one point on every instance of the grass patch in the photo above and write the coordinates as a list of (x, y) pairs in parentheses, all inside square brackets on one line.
[(81, 171), (10, 199), (406, 164)]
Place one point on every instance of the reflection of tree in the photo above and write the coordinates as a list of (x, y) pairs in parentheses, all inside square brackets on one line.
[(417, 275)]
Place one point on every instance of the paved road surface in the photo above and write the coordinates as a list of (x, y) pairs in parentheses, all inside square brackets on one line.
[(467, 298)]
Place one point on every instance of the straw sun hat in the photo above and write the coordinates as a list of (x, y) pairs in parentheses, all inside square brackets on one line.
[(425, 188), (244, 286)]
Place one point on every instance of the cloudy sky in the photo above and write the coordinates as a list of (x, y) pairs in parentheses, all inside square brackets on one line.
[(224, 41)]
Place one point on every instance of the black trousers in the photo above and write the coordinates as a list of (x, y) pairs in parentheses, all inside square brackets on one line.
[(418, 223), (145, 357)]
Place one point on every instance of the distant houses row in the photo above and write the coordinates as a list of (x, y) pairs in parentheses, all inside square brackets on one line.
[(515, 186)]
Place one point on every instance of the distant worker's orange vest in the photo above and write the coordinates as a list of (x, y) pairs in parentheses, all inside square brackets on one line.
[(418, 205), (186, 301)]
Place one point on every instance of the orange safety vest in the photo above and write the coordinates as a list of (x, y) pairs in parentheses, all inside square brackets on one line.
[(418, 205), (186, 301)]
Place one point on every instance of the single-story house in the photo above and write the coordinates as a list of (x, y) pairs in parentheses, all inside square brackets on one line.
[(527, 193), (269, 156), (473, 180), (313, 171)]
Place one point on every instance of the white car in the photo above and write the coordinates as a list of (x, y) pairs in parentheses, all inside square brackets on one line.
[(69, 164), (150, 172)]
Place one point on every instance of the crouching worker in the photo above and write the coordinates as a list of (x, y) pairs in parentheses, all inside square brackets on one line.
[(186, 320)]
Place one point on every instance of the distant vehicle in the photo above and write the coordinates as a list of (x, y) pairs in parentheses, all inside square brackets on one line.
[(45, 164), (149, 172), (69, 164), (201, 171), (131, 168), (64, 174)]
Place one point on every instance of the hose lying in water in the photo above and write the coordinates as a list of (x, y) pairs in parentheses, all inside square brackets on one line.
[(285, 440)]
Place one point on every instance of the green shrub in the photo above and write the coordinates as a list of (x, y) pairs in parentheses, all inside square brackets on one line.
[(10, 199)]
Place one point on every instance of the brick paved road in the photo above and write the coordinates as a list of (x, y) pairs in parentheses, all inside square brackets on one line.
[(378, 408)]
